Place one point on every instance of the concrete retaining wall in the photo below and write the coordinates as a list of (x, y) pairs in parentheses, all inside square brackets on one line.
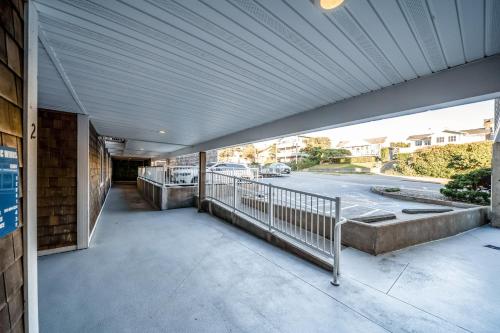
[(166, 197), (389, 236)]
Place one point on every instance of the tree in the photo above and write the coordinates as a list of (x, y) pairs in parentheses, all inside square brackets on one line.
[(322, 142), (225, 154), (329, 155), (399, 145), (249, 153), (272, 153)]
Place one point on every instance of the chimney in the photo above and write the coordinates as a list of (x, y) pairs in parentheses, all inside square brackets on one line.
[(488, 123)]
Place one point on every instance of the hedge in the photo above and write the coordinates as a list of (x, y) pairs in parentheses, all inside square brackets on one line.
[(446, 161)]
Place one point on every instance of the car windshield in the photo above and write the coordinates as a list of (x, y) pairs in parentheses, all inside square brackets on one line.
[(236, 166)]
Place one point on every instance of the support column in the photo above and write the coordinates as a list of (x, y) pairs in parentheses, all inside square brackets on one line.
[(202, 170), (495, 172), (82, 196), (30, 126)]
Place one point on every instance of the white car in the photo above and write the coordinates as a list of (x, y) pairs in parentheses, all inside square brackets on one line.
[(232, 169), (184, 175)]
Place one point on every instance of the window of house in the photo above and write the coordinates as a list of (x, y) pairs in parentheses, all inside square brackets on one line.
[(440, 139), (418, 143), (452, 138), (427, 142)]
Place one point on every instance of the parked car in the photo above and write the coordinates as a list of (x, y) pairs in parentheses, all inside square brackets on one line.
[(233, 169), (276, 169), (184, 175)]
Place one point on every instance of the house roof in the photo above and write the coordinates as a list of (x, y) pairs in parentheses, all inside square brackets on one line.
[(361, 142), (418, 137), (375, 141), (342, 144), (478, 131)]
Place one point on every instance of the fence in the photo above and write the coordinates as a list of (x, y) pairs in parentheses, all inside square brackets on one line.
[(188, 175), (312, 220)]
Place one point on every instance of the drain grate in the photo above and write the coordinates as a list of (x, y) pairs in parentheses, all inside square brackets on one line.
[(493, 247)]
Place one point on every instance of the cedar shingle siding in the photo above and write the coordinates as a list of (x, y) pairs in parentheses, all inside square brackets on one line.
[(11, 131), (57, 163), (99, 161)]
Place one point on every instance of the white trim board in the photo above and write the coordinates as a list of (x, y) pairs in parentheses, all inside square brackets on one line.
[(57, 250), (30, 125), (100, 212)]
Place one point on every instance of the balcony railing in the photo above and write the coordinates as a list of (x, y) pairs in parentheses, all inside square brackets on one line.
[(312, 220)]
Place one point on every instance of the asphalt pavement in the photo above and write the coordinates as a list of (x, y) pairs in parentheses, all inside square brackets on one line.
[(354, 190)]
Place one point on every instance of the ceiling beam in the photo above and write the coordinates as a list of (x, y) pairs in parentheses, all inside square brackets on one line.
[(60, 70), (472, 82)]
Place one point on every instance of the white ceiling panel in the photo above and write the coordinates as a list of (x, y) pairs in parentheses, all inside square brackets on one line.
[(202, 69), (471, 18), (53, 94)]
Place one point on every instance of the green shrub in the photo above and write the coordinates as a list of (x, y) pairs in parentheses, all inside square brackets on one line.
[(446, 161), (384, 154), (304, 164), (473, 187)]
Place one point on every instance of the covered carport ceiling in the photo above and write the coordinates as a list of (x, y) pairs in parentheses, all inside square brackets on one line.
[(206, 71)]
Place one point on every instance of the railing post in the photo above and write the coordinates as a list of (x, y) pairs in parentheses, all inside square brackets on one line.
[(211, 184), (270, 210), (202, 168), (234, 194), (336, 243)]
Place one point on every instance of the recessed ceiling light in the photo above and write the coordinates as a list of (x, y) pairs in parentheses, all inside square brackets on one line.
[(328, 4), (141, 148), (162, 132)]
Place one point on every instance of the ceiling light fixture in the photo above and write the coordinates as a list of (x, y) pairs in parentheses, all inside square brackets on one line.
[(162, 132), (328, 4)]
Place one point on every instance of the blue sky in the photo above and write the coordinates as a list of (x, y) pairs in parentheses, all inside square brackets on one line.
[(397, 129)]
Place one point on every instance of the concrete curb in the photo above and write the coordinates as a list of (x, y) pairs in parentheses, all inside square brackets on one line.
[(395, 195)]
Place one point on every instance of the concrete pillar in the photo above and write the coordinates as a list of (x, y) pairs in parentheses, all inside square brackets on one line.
[(201, 178), (495, 173), (495, 186)]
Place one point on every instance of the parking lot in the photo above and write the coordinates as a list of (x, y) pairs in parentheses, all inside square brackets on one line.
[(354, 189)]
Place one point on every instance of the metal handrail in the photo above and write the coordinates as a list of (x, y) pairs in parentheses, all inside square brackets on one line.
[(185, 175), (299, 215)]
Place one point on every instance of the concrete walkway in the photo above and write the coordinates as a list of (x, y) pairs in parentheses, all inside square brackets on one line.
[(181, 271)]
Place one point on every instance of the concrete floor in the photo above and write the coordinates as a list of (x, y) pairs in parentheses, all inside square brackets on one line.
[(181, 271), (354, 189)]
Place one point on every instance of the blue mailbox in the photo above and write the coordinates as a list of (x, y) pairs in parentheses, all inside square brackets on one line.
[(9, 190)]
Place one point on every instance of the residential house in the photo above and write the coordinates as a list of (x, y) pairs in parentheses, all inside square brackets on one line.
[(289, 149), (364, 147), (445, 137)]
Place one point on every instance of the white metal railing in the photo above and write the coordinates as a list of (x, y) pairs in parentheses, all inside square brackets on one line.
[(311, 219), (188, 175)]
